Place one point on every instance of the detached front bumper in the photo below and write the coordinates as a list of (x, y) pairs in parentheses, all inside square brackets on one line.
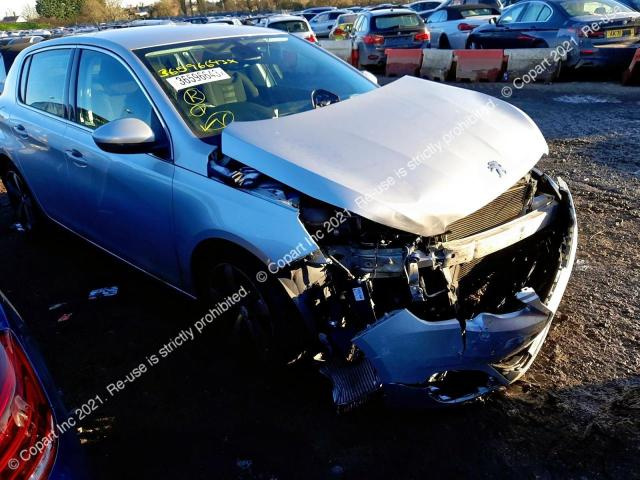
[(448, 362)]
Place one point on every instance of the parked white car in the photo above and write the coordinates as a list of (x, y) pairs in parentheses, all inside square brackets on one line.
[(324, 22), (297, 26), (225, 20), (450, 26)]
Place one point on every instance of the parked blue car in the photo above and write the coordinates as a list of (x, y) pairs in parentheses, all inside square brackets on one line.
[(35, 442), (593, 33)]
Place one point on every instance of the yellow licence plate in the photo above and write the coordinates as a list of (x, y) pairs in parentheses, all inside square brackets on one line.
[(618, 33)]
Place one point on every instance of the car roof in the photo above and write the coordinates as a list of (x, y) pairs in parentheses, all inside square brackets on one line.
[(281, 18), (470, 6), (386, 11), (150, 36)]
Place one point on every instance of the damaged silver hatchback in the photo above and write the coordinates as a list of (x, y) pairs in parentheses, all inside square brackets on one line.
[(401, 236)]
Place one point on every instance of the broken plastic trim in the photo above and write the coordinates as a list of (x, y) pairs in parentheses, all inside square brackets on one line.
[(413, 357)]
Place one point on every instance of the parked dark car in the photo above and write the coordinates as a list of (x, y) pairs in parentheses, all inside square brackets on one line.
[(8, 54), (632, 4), (31, 411), (424, 5), (591, 32), (375, 31)]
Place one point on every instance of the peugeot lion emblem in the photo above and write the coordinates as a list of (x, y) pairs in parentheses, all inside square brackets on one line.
[(494, 166)]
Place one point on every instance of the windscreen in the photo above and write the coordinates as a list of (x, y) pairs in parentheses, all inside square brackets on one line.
[(404, 20), (216, 82), (478, 12), (579, 8), (291, 26)]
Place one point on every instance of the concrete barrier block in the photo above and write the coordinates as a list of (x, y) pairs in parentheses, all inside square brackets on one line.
[(403, 61), (534, 64), (339, 48), (479, 65), (436, 64), (631, 75)]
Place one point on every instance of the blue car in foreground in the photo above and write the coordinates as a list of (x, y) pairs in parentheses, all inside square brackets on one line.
[(36, 441)]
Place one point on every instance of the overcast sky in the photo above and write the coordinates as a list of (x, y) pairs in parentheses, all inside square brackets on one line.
[(7, 7)]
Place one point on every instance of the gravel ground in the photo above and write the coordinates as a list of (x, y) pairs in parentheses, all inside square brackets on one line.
[(196, 415)]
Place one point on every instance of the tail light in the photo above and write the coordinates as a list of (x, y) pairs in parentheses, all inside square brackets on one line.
[(339, 31), (466, 27), (595, 34), (588, 33), (28, 440), (312, 38), (373, 39), (422, 37)]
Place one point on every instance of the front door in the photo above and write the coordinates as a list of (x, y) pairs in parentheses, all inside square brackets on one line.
[(123, 201)]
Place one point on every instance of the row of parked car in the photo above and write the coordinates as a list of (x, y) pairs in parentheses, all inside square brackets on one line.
[(591, 33)]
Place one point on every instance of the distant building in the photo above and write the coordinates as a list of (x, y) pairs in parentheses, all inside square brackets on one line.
[(14, 19)]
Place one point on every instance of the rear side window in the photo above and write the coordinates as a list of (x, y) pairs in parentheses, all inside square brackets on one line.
[(291, 26), (537, 12), (387, 22), (477, 12), (46, 82)]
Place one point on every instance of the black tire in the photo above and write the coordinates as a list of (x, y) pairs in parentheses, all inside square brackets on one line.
[(265, 326), (540, 44), (473, 45), (443, 43), (26, 210)]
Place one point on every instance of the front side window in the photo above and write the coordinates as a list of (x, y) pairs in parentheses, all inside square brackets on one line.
[(215, 82), (46, 81), (107, 91)]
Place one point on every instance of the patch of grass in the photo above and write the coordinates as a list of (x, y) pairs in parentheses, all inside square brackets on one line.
[(23, 26)]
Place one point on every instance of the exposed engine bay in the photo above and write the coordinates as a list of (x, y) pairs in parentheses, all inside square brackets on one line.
[(502, 261)]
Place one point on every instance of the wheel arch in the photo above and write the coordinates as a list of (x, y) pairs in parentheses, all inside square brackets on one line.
[(219, 246), (5, 162)]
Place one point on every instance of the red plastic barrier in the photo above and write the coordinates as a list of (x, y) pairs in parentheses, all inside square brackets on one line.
[(477, 65), (631, 75), (403, 61)]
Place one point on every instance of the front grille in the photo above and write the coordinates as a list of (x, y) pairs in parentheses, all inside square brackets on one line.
[(504, 208)]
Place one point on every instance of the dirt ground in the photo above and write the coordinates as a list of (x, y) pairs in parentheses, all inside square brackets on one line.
[(195, 415)]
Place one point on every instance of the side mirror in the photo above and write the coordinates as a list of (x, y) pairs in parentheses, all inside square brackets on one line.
[(369, 76), (125, 135)]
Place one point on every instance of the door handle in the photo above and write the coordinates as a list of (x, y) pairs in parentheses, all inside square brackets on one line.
[(76, 157), (20, 131)]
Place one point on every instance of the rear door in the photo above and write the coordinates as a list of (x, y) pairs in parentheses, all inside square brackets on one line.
[(39, 123), (123, 201), (536, 25)]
